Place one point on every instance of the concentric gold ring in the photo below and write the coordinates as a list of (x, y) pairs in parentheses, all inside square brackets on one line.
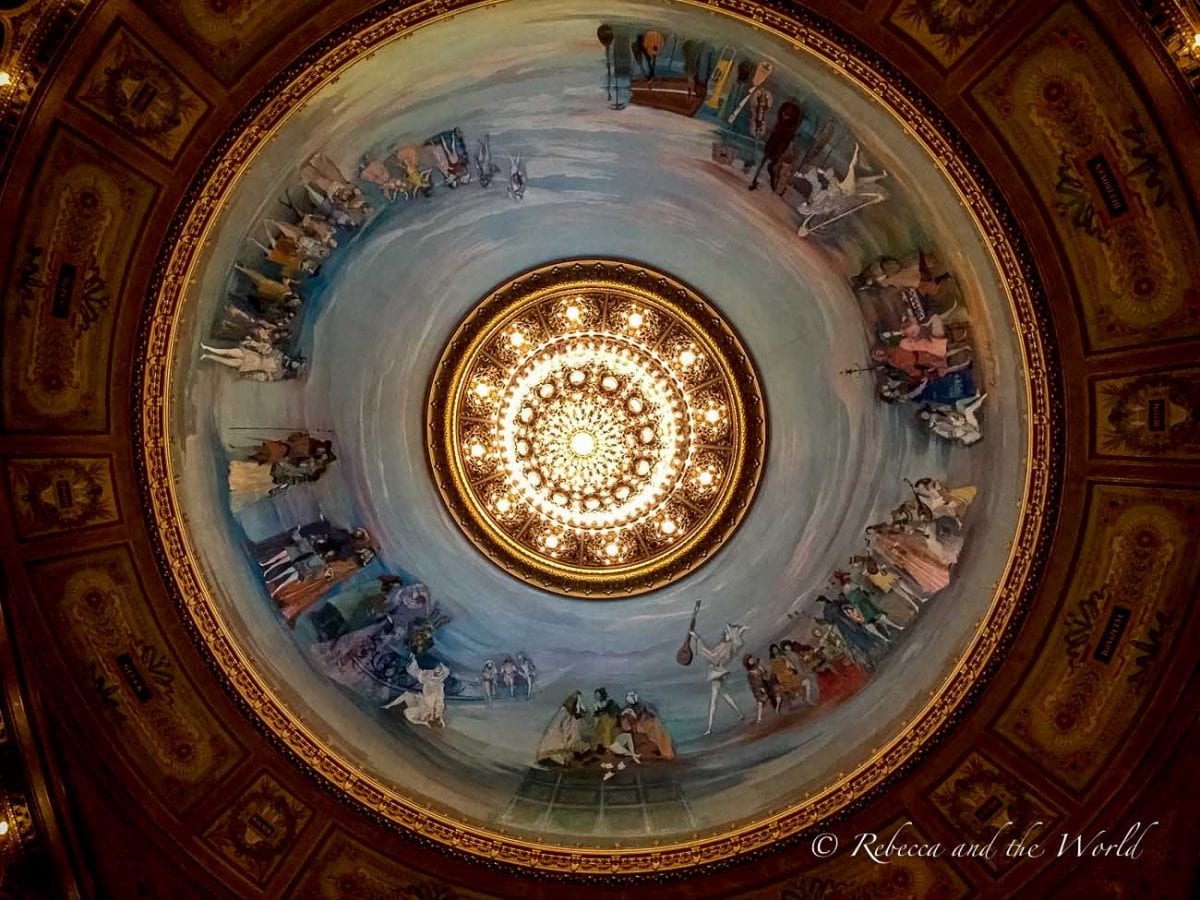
[(596, 428)]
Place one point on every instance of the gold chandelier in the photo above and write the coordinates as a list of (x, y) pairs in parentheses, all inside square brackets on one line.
[(596, 428)]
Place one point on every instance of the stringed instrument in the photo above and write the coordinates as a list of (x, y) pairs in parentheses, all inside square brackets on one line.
[(761, 73), (684, 655)]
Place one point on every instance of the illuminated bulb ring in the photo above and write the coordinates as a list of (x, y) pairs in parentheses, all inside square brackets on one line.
[(596, 428), (634, 459)]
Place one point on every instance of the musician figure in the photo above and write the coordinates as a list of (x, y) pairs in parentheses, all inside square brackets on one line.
[(718, 659)]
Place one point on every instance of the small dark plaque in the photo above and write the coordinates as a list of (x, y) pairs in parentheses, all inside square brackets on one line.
[(64, 288), (143, 97), (261, 825), (1113, 632), (63, 494), (1107, 185), (133, 678), (988, 808), (1156, 414)]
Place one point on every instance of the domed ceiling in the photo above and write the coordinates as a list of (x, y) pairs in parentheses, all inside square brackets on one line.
[(796, 496), (614, 440)]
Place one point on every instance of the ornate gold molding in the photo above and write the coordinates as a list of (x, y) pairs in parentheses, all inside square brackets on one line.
[(39, 34), (707, 473), (386, 802)]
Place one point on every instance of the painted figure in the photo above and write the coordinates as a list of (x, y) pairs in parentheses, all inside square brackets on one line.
[(609, 735), (302, 566), (516, 178), (650, 737), (238, 325), (322, 176), (830, 197), (376, 172), (528, 672), (789, 684), (485, 167), (805, 660), (255, 361), (885, 581), (605, 719), (277, 465), (487, 681), (508, 676), (874, 619), (762, 688), (862, 646), (943, 502), (718, 658), (270, 291), (564, 741), (415, 181), (779, 144), (957, 421), (371, 659), (450, 156), (428, 706)]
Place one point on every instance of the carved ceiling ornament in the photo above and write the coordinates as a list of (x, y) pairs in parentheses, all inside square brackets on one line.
[(387, 802), (596, 428)]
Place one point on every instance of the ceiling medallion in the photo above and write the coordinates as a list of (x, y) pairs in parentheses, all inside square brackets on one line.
[(596, 428)]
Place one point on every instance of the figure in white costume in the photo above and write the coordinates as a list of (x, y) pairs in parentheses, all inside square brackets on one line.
[(429, 705), (718, 659)]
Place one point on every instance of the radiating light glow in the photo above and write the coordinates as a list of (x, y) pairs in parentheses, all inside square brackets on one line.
[(583, 444), (576, 451), (593, 430)]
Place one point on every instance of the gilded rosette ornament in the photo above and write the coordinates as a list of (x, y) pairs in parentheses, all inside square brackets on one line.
[(596, 428)]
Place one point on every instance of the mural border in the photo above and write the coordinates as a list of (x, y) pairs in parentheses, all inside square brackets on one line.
[(383, 803)]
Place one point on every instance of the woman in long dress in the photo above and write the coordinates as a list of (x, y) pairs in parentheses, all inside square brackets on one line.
[(605, 714), (943, 502), (650, 736), (249, 482), (255, 360), (917, 551), (564, 741), (316, 579), (789, 686)]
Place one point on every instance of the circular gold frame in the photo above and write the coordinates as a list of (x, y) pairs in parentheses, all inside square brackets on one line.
[(261, 702), (657, 291)]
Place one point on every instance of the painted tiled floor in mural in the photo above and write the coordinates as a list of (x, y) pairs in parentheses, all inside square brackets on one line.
[(635, 801)]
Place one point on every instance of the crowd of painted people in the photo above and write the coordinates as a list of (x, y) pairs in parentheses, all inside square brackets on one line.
[(514, 678), (378, 641), (380, 646), (909, 558), (300, 566), (809, 159), (258, 332), (606, 734), (276, 464), (262, 315), (923, 352)]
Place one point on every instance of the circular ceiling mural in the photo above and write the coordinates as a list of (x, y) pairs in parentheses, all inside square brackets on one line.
[(790, 404), (596, 428)]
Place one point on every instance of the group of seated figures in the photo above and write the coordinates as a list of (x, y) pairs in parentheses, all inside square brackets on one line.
[(607, 735)]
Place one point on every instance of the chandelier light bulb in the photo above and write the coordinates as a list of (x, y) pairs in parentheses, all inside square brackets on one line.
[(583, 444)]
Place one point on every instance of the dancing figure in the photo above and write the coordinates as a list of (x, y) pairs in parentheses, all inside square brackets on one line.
[(718, 658)]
